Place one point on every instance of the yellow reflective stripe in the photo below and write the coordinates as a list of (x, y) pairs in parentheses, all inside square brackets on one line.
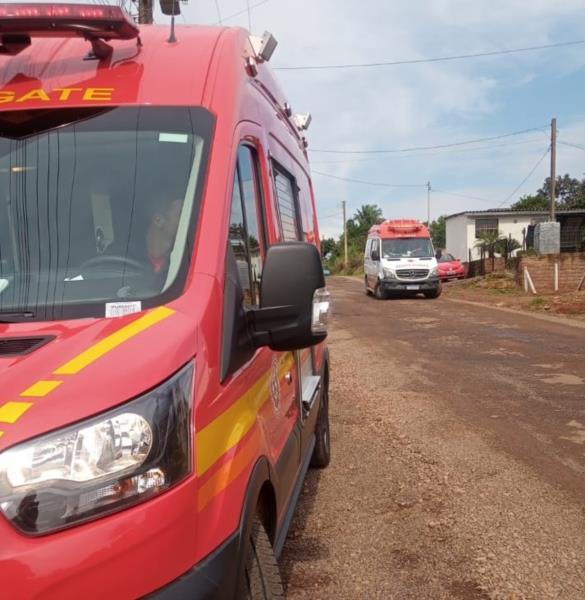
[(40, 389), (231, 426), (12, 411), (227, 430), (113, 341)]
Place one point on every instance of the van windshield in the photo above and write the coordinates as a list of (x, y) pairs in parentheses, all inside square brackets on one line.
[(97, 206), (407, 247)]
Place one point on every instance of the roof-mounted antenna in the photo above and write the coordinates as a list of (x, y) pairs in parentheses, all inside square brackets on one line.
[(172, 8)]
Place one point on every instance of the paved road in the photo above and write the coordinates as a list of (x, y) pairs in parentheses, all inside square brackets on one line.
[(459, 456)]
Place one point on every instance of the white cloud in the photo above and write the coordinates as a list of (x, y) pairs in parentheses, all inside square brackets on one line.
[(403, 106)]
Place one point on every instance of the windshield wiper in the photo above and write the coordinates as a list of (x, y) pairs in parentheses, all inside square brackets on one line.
[(11, 317)]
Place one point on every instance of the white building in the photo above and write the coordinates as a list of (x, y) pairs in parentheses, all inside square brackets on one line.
[(463, 229)]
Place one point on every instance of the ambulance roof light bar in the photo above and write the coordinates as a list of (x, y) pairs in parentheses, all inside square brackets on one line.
[(95, 23)]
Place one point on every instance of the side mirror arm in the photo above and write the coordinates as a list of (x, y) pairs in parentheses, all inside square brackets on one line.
[(275, 319)]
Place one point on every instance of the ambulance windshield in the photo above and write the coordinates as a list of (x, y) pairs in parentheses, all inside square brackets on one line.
[(97, 208), (407, 247)]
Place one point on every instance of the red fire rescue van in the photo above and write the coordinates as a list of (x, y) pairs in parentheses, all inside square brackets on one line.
[(163, 311)]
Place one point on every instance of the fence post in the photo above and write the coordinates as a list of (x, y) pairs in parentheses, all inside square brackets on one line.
[(529, 280), (581, 283), (556, 277)]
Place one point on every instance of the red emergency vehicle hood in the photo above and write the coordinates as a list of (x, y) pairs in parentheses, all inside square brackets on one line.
[(87, 367)]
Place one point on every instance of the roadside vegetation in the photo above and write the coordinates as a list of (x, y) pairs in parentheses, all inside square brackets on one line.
[(358, 226)]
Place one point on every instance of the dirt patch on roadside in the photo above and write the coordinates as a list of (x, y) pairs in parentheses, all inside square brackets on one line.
[(500, 289)]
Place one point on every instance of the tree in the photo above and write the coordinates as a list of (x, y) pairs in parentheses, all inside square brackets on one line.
[(531, 202), (328, 247), (359, 225), (438, 230), (569, 192), (487, 242)]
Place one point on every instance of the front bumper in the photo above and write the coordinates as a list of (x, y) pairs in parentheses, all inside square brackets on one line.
[(401, 285), (214, 578), (149, 549)]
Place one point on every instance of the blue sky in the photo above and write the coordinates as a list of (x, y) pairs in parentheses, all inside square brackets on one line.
[(425, 104)]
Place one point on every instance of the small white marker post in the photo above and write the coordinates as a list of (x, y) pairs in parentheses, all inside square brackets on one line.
[(556, 277)]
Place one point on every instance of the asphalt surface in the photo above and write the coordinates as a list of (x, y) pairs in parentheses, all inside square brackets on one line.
[(458, 468)]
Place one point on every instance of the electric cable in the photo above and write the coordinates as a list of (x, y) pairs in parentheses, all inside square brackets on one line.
[(416, 61), (433, 147), (377, 184), (527, 177)]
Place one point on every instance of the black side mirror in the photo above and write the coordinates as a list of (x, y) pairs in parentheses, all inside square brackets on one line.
[(290, 316), (375, 255), (170, 7)]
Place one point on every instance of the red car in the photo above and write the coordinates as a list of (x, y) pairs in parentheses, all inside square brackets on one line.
[(450, 267)]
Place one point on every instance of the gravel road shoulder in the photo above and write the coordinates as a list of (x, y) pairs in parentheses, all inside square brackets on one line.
[(419, 504)]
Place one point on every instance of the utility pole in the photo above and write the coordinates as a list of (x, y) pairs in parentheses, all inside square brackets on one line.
[(553, 166), (344, 235), (428, 203), (145, 12)]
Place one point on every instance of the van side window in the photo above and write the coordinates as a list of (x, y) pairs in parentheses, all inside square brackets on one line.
[(368, 248), (375, 246), (285, 185), (245, 233)]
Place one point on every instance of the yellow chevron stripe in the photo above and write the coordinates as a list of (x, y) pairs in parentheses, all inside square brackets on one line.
[(41, 388), (12, 411), (106, 345), (226, 431)]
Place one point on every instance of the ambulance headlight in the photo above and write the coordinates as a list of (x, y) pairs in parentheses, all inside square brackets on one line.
[(389, 274), (434, 272), (103, 464)]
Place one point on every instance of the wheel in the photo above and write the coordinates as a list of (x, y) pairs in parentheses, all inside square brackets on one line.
[(368, 291), (261, 576), (379, 292), (322, 452), (433, 293)]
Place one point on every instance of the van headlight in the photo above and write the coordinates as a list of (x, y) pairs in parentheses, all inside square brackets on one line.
[(434, 272), (103, 464), (389, 274)]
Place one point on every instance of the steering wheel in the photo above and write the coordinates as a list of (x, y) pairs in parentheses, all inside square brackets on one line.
[(111, 260)]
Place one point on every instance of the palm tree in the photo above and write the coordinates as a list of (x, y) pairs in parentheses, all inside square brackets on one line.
[(487, 242)]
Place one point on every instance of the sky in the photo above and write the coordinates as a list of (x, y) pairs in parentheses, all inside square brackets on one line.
[(405, 106)]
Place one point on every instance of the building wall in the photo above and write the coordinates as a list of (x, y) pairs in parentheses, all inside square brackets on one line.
[(456, 235)]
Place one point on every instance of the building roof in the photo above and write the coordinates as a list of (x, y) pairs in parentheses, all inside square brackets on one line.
[(498, 212)]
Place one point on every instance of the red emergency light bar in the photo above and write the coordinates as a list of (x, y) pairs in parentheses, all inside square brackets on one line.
[(20, 22)]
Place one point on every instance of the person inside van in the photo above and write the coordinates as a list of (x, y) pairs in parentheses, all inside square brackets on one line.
[(153, 248)]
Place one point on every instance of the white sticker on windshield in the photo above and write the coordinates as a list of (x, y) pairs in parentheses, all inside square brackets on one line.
[(4, 283), (176, 138), (121, 309)]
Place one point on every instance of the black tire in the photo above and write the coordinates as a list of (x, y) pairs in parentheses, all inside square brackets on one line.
[(261, 576), (379, 293), (322, 452), (434, 293)]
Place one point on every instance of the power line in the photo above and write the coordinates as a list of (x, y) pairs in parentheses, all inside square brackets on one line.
[(435, 147), (571, 145), (527, 176), (243, 12), (249, 15), (459, 195), (377, 184), (417, 61), (440, 153), (218, 11)]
